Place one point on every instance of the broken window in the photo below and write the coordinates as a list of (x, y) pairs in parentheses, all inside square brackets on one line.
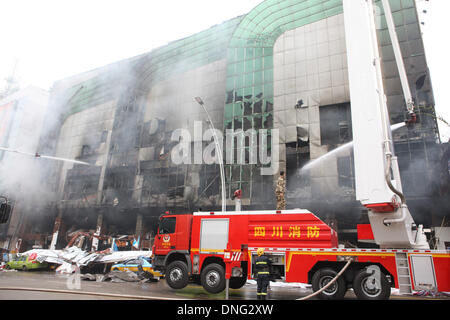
[(335, 124), (209, 181), (269, 106), (257, 122), (297, 156), (85, 150), (237, 123), (268, 121), (247, 108), (81, 182), (230, 96), (257, 107), (247, 123)]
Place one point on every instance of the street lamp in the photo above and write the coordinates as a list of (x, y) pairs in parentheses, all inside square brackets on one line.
[(218, 151)]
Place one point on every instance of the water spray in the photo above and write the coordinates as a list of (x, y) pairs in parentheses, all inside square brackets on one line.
[(339, 149), (37, 155)]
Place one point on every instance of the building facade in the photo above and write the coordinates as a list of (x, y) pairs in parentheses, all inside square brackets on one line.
[(279, 71)]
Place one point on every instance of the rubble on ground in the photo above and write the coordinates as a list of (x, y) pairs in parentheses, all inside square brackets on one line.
[(73, 258), (117, 276)]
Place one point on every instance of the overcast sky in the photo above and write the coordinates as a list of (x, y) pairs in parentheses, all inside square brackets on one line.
[(54, 39)]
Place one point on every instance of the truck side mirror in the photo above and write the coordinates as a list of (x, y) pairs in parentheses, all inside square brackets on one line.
[(5, 212)]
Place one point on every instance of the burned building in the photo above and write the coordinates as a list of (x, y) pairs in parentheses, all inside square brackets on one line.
[(280, 68)]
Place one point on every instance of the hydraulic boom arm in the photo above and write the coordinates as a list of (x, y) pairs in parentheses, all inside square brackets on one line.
[(377, 177)]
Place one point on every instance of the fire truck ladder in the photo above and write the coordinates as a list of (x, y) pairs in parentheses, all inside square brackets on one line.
[(404, 278)]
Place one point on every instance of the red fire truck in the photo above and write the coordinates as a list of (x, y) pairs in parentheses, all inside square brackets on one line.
[(210, 247)]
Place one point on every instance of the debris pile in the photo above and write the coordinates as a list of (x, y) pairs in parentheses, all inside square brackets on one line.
[(431, 293), (116, 276), (73, 258)]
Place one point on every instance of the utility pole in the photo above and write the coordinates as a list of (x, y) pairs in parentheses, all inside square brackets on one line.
[(218, 152)]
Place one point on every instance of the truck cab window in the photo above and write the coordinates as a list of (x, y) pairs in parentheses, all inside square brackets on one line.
[(167, 225)]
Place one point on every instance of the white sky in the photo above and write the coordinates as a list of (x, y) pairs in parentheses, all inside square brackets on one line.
[(54, 39)]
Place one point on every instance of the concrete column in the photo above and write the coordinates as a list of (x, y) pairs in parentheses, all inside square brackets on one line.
[(56, 230), (139, 228), (13, 232), (98, 231)]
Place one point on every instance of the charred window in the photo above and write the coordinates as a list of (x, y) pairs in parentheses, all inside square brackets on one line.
[(158, 181), (297, 156), (85, 150), (260, 191), (118, 180), (81, 181), (5, 212), (153, 132), (335, 124), (209, 181), (176, 180)]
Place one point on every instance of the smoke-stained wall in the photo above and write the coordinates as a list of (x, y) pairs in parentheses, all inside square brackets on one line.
[(170, 106), (310, 65), (84, 136)]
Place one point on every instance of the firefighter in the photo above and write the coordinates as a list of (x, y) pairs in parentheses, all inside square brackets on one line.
[(261, 269), (279, 192)]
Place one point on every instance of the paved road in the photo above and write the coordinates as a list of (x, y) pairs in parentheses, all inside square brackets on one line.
[(149, 290), (159, 290)]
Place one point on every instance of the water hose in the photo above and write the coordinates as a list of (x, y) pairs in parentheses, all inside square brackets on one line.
[(329, 283), (394, 190), (99, 294)]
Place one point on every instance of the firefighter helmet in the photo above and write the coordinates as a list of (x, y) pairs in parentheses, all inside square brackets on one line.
[(260, 252)]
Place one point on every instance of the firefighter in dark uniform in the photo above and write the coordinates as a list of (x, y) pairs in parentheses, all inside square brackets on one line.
[(280, 190), (261, 269)]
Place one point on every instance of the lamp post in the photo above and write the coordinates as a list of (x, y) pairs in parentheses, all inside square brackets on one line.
[(218, 151)]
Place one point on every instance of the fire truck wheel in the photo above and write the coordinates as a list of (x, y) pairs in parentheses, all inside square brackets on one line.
[(367, 288), (334, 292), (213, 278), (237, 282), (177, 275)]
